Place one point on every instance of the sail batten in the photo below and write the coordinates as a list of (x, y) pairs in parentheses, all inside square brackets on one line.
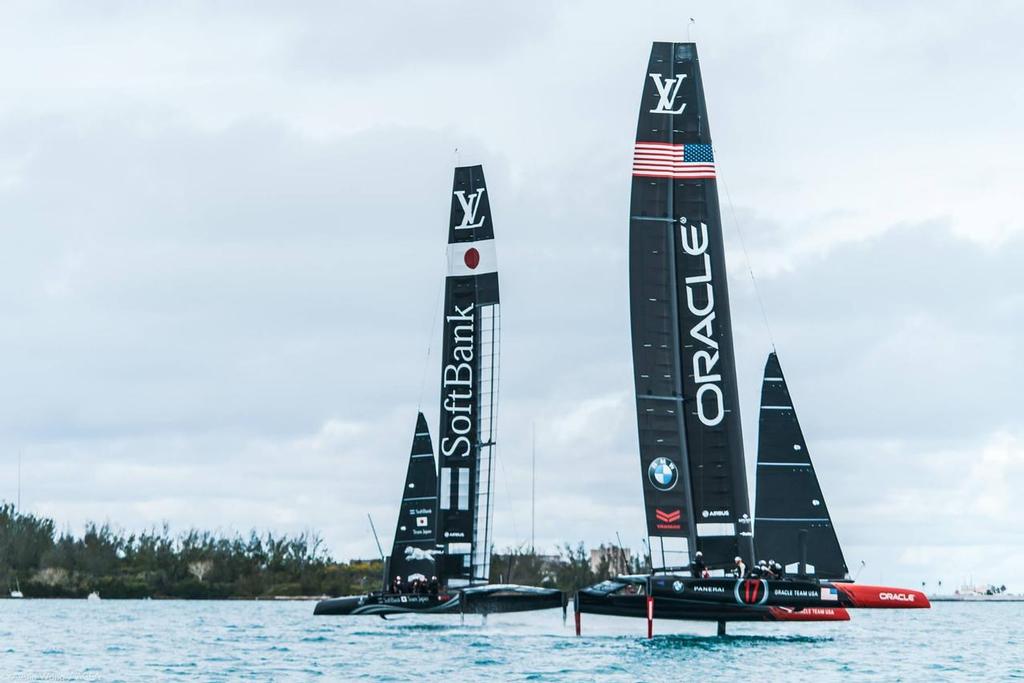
[(691, 446), (791, 520)]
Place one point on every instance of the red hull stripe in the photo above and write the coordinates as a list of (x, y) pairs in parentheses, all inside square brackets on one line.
[(882, 597), (809, 614)]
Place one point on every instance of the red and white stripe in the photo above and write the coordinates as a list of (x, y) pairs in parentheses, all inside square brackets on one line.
[(662, 160)]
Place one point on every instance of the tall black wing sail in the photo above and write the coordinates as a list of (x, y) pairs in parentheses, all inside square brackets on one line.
[(415, 545), (791, 520), (469, 382), (691, 446)]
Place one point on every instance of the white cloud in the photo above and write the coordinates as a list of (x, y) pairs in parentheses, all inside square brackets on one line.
[(223, 227)]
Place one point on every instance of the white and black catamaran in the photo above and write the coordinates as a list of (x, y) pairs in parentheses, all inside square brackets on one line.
[(687, 402), (440, 560)]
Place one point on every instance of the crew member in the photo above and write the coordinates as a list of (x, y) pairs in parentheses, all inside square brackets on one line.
[(698, 569), (778, 569), (434, 586), (740, 570), (396, 585), (765, 570)]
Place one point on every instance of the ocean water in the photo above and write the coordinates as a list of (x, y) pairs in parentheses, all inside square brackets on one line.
[(114, 640)]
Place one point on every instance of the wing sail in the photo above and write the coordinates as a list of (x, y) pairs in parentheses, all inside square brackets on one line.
[(469, 382), (691, 445)]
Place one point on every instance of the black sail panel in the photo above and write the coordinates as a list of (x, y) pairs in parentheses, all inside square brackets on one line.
[(791, 520), (691, 445), (415, 544), (469, 382)]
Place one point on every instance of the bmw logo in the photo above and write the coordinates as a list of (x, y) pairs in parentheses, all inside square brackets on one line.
[(677, 586), (663, 474)]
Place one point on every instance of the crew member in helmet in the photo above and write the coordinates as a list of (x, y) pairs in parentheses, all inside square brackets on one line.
[(778, 569), (396, 585), (698, 569), (740, 570)]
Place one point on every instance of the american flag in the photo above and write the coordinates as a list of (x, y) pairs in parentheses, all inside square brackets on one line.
[(662, 160)]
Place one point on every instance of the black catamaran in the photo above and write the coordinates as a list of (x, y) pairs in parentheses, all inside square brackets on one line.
[(687, 400), (445, 526)]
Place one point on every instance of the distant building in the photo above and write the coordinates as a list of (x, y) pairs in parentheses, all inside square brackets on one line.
[(611, 559)]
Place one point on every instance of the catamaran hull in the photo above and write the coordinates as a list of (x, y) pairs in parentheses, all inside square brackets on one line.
[(376, 604), (484, 600), (784, 593), (683, 609)]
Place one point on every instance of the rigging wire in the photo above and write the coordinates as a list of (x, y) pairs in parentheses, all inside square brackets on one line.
[(750, 268), (494, 453), (434, 317), (435, 313)]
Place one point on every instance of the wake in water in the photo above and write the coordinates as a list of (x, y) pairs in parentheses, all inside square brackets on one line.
[(684, 641)]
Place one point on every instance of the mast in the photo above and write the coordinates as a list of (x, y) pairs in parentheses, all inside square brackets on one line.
[(691, 445), (533, 488), (469, 383), (415, 541), (791, 521)]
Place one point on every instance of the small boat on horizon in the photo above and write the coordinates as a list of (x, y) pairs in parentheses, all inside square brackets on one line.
[(985, 593)]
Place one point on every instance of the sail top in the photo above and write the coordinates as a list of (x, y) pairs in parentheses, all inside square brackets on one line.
[(672, 108), (471, 251), (792, 524), (471, 207)]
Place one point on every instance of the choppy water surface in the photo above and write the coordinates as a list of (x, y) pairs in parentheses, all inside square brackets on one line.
[(213, 641)]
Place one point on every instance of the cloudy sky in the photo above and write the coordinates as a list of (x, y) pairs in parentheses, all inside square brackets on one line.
[(223, 235)]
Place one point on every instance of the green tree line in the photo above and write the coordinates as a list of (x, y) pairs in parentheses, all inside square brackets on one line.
[(200, 564), (157, 564)]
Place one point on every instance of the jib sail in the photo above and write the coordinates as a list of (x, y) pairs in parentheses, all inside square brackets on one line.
[(691, 446), (791, 520), (469, 382), (415, 545)]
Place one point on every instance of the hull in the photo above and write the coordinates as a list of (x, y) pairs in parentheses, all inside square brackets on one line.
[(594, 602), (784, 593), (384, 604), (497, 599)]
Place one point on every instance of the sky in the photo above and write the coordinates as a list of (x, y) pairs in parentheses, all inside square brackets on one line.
[(223, 230)]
